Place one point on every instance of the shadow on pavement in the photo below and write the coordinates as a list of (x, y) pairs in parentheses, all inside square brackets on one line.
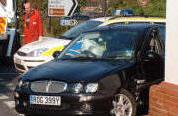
[(8, 78)]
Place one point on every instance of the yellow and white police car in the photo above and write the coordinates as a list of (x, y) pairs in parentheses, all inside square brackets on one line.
[(41, 51)]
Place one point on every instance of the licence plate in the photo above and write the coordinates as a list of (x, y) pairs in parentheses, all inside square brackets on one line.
[(45, 100), (18, 61)]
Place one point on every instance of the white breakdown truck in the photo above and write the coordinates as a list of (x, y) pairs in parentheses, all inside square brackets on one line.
[(9, 38)]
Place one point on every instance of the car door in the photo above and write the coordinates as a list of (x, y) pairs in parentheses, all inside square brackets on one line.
[(152, 63)]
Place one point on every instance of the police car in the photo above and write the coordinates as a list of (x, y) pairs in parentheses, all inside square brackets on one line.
[(41, 51)]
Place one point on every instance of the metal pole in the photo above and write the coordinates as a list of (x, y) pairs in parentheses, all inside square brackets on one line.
[(17, 35), (16, 14), (49, 27), (104, 7), (49, 22)]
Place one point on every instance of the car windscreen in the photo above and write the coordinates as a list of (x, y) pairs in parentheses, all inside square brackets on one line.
[(77, 30), (110, 44)]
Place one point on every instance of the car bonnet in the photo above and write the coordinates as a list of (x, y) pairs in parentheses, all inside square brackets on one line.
[(73, 71), (46, 42)]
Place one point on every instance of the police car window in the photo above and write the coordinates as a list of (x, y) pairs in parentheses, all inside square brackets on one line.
[(75, 31)]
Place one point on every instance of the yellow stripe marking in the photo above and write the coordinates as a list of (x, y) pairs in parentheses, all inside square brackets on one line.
[(52, 50), (3, 25)]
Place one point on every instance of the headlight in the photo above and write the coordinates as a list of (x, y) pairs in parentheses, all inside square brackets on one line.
[(23, 84), (77, 88), (91, 87), (37, 52)]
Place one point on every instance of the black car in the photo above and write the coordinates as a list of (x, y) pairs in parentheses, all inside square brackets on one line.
[(105, 71)]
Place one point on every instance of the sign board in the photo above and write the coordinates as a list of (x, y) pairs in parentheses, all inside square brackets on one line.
[(61, 7), (71, 22), (116, 12), (3, 25)]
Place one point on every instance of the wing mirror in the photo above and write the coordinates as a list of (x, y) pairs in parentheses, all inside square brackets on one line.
[(56, 54), (151, 56)]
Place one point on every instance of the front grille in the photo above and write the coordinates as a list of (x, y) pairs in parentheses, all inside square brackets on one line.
[(21, 53), (48, 86)]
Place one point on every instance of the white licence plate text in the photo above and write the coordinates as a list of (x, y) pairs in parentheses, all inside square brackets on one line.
[(45, 100)]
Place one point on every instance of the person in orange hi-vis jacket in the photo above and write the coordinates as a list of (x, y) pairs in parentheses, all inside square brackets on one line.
[(33, 26)]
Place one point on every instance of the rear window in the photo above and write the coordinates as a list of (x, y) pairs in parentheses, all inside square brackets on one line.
[(77, 30)]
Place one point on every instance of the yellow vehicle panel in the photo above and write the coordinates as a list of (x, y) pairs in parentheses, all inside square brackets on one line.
[(133, 19), (3, 25), (52, 50)]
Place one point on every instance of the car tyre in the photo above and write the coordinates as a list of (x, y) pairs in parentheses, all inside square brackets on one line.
[(124, 104)]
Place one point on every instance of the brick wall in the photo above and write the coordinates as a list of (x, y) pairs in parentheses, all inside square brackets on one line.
[(163, 100)]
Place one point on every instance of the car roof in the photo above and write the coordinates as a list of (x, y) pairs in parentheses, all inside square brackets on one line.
[(134, 19), (102, 19), (133, 26)]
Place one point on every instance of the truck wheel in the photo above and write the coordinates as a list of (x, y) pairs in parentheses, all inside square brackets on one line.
[(124, 104)]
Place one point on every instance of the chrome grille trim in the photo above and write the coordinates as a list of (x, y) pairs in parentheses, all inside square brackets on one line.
[(48, 86)]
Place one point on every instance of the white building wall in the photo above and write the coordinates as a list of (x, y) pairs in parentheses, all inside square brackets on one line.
[(171, 66)]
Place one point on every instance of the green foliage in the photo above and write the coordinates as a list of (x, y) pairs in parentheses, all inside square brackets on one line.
[(81, 3), (44, 9), (56, 29), (154, 8)]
